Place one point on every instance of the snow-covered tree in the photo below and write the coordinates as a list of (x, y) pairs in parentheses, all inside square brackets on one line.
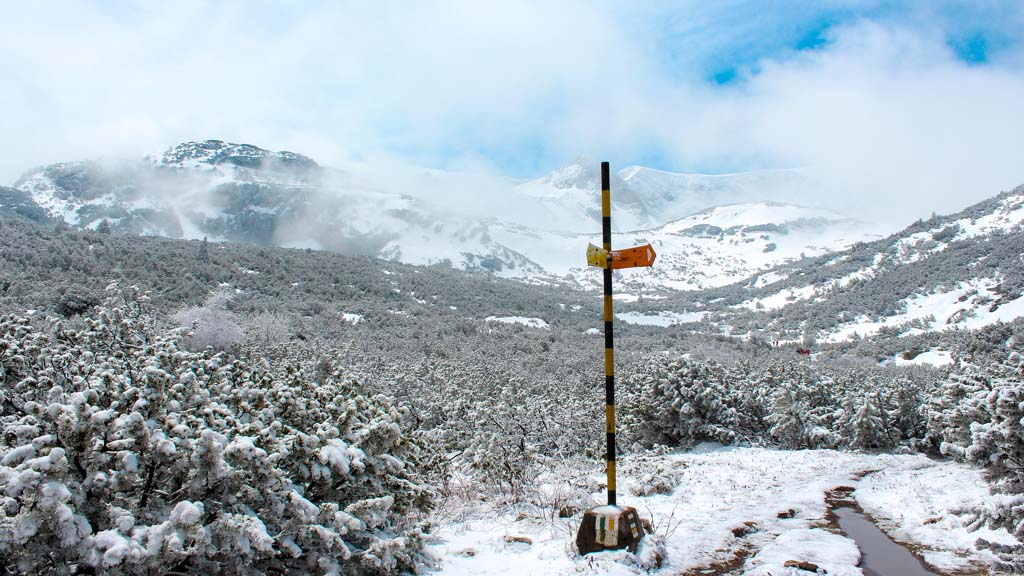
[(868, 426), (122, 453), (212, 324), (800, 407), (684, 401)]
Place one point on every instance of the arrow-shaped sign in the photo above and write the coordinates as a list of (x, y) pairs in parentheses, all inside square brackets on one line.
[(626, 258)]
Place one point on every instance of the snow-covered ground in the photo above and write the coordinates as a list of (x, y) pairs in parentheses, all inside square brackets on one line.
[(720, 504), (538, 323), (969, 305), (661, 318), (932, 357)]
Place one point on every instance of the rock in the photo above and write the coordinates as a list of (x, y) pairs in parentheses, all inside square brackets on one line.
[(810, 567), (510, 539), (567, 511), (744, 529), (787, 514), (609, 528)]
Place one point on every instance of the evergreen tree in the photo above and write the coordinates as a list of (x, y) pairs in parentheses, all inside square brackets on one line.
[(203, 255), (869, 426)]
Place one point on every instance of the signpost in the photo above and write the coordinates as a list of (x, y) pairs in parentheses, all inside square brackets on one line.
[(611, 527)]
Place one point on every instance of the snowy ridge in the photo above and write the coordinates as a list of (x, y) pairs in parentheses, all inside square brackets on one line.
[(217, 152), (726, 244), (227, 191), (971, 304), (683, 194)]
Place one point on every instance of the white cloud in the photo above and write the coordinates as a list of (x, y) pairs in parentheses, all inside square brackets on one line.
[(890, 120), (886, 115)]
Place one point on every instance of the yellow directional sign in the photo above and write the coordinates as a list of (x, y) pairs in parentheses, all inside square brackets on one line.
[(626, 258), (596, 257)]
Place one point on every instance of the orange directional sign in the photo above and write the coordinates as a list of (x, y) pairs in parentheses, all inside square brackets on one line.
[(633, 257), (627, 258)]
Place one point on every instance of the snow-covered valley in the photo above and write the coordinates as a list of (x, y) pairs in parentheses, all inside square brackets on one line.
[(465, 288), (221, 406)]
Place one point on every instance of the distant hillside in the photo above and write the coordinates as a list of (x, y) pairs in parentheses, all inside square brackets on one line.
[(962, 271), (42, 266), (18, 204)]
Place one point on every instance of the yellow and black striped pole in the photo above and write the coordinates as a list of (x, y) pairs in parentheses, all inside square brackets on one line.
[(609, 340), (610, 527)]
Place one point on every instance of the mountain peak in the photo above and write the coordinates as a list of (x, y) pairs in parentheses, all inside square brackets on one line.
[(583, 173), (244, 155)]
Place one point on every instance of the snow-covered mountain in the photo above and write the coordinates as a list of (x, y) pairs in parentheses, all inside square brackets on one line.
[(644, 198), (535, 230), (959, 272), (718, 246), (212, 188)]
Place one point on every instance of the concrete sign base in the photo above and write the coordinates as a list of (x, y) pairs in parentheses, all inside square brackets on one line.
[(609, 528)]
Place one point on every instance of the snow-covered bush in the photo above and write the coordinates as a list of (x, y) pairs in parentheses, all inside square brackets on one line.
[(501, 436), (866, 422), (997, 440), (787, 404), (266, 328), (958, 402), (803, 404), (122, 453), (683, 402), (211, 325)]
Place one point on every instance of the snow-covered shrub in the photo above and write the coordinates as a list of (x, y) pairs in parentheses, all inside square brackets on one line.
[(211, 325), (957, 403), (802, 406), (682, 402), (866, 422), (122, 453), (789, 404), (997, 442), (498, 435), (267, 328)]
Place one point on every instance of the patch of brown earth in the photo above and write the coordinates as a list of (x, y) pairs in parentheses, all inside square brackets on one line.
[(723, 567)]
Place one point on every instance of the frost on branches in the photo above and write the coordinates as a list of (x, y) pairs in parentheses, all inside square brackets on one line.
[(122, 453)]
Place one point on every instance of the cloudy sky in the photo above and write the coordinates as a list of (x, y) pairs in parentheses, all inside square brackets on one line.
[(901, 108)]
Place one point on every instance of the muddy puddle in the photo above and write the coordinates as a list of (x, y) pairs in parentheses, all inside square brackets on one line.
[(880, 555)]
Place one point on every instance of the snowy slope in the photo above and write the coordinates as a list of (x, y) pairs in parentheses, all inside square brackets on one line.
[(726, 244), (986, 291), (215, 189), (959, 272), (715, 247), (674, 194)]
